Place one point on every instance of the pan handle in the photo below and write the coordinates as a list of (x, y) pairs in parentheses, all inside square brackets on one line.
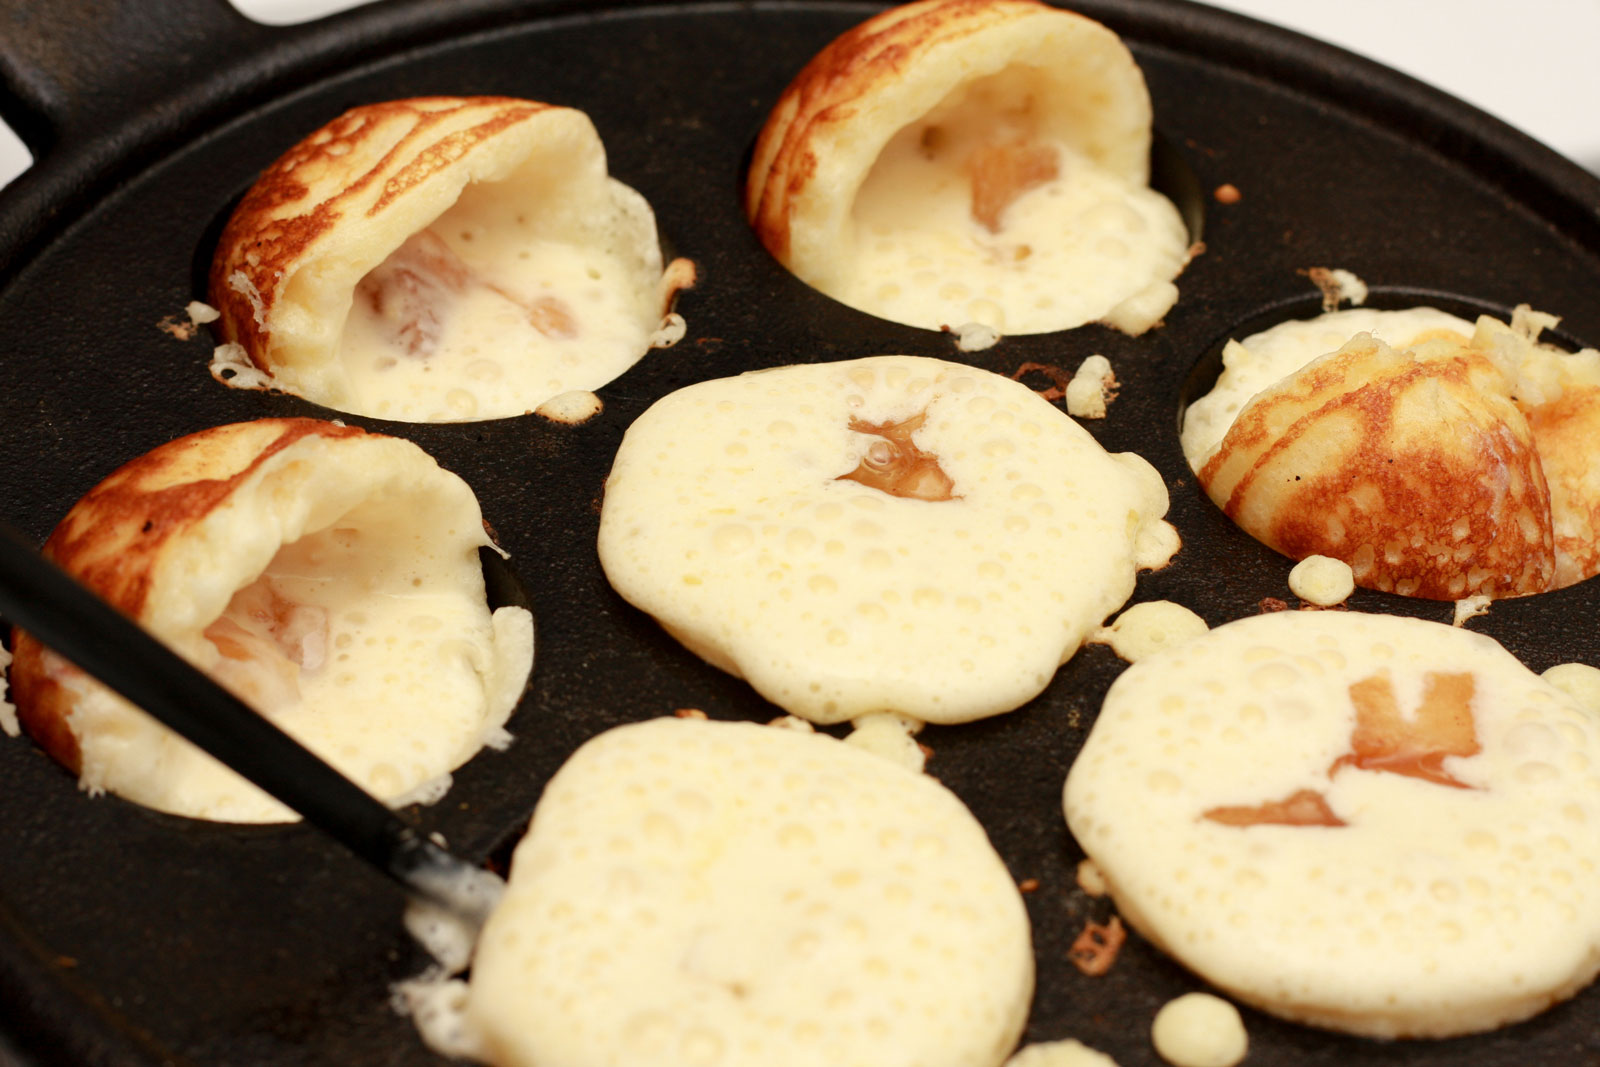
[(99, 72), (94, 87)]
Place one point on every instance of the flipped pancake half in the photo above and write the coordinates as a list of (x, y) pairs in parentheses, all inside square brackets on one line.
[(951, 162), (441, 259), (327, 576), (1450, 463)]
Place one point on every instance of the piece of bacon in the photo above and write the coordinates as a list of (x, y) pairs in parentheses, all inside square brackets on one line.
[(298, 631), (1097, 946), (547, 314), (1002, 172), (414, 290), (895, 465), (266, 640), (1385, 740), (1304, 807)]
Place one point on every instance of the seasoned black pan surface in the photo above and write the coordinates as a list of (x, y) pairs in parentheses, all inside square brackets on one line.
[(128, 937)]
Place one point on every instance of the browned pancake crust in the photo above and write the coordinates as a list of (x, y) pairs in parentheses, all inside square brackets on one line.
[(317, 182), (1566, 430), (1339, 465), (113, 538), (827, 90)]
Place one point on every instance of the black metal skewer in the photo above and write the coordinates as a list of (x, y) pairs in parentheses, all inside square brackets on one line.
[(66, 617)]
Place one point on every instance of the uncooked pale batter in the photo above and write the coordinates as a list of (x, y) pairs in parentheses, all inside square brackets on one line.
[(694, 893), (480, 314), (366, 649), (1364, 822), (327, 576), (886, 534), (969, 216)]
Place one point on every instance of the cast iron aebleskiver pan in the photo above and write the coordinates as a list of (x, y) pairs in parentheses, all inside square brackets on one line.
[(128, 937)]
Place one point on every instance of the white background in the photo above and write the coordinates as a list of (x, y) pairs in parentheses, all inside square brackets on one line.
[(1533, 63)]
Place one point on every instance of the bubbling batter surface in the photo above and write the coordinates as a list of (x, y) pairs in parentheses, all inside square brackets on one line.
[(483, 314), (971, 215), (695, 892), (888, 534), (1339, 818)]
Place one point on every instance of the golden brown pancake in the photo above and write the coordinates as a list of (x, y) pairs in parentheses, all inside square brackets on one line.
[(327, 576), (440, 259), (1566, 430), (937, 164), (1417, 468), (1455, 465)]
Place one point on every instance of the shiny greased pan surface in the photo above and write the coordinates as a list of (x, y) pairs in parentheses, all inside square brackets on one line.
[(132, 937)]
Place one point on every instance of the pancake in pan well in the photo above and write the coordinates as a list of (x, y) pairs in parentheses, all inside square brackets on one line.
[(1267, 358), (440, 260), (1374, 824), (695, 892), (1453, 462), (328, 576), (955, 161), (885, 534)]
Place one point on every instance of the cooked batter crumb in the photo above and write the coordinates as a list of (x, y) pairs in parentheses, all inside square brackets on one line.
[(230, 365), (1091, 880), (670, 332), (1338, 287), (792, 722), (1091, 389), (8, 711), (574, 407), (1096, 948), (1056, 374), (1470, 608), (1322, 580), (177, 330), (973, 336), (1199, 1030), (1228, 193), (1028, 885), (198, 312), (689, 713), (1529, 323)]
